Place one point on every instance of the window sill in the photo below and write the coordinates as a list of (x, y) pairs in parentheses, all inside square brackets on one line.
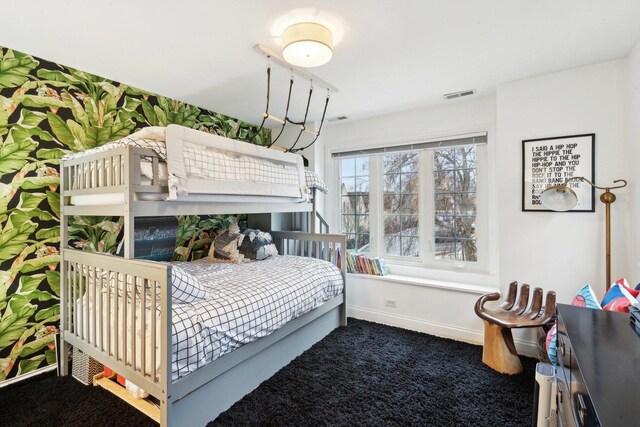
[(430, 283)]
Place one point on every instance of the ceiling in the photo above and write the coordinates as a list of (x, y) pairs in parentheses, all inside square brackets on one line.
[(388, 56)]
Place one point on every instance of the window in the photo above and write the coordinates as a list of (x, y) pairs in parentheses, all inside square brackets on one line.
[(418, 204), (400, 204), (354, 192), (454, 178)]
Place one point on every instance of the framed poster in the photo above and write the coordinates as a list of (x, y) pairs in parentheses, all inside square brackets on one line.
[(551, 161)]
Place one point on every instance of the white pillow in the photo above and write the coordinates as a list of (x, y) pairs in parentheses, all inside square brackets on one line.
[(186, 288), (157, 133)]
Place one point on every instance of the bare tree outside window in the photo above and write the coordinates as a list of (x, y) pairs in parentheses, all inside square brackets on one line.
[(355, 202), (400, 182), (454, 177), (454, 189)]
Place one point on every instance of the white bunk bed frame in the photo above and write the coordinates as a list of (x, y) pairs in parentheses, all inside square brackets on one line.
[(200, 396)]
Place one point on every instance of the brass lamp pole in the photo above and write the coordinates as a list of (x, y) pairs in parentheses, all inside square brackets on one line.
[(562, 198)]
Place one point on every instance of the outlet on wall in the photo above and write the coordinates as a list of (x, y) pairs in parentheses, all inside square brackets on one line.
[(390, 303)]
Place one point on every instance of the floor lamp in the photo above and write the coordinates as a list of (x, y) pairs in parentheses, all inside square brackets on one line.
[(561, 198)]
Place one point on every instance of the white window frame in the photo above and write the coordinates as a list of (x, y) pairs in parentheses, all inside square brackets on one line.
[(415, 266), (338, 181), (397, 259)]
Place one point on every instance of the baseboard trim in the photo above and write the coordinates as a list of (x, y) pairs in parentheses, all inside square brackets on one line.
[(526, 348), (19, 378)]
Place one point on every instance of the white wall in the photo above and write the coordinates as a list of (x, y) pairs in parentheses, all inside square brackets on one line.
[(448, 119), (558, 251), (442, 304), (634, 157), (441, 120), (562, 251)]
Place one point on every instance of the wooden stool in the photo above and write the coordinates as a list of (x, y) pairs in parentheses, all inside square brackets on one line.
[(499, 351)]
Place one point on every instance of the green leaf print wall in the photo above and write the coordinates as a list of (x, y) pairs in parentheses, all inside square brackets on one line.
[(47, 110)]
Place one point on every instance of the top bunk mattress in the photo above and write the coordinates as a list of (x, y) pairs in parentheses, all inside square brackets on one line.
[(194, 164)]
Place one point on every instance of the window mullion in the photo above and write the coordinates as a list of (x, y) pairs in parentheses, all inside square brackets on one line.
[(376, 215), (426, 203), (482, 209)]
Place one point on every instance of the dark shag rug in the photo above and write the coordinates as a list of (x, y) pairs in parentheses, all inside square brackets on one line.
[(363, 374)]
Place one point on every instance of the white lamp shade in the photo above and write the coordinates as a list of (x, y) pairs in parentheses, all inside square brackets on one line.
[(559, 198), (307, 44)]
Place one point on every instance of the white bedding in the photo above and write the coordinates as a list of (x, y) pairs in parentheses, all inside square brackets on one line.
[(244, 303)]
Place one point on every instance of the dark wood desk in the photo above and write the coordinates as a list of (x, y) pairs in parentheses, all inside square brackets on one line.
[(599, 364)]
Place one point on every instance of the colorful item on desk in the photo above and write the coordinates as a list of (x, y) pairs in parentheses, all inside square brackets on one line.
[(618, 298), (623, 282), (586, 298), (551, 345)]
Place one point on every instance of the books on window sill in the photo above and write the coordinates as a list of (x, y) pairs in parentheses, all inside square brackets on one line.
[(362, 264)]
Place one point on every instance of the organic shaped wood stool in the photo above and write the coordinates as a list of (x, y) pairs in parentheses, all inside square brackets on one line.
[(499, 352)]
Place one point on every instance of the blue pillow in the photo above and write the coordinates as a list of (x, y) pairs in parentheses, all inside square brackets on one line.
[(551, 345), (586, 298)]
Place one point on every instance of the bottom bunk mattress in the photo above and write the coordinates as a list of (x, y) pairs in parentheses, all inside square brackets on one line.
[(246, 302), (217, 308)]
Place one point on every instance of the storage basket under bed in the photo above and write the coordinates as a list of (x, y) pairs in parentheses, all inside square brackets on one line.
[(84, 367)]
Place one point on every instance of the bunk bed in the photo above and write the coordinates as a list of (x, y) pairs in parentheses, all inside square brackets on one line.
[(130, 314)]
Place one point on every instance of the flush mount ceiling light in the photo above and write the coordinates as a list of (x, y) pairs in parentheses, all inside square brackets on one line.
[(307, 44)]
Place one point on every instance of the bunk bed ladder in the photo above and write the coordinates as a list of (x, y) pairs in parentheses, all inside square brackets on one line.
[(324, 225), (301, 221)]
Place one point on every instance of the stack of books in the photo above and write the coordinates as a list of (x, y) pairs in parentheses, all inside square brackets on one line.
[(362, 264)]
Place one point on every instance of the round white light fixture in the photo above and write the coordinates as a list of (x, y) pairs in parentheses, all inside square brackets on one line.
[(307, 44)]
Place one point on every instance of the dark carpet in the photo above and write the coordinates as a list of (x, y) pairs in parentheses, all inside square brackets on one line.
[(364, 374)]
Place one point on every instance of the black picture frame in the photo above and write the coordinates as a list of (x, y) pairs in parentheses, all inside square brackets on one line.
[(544, 164)]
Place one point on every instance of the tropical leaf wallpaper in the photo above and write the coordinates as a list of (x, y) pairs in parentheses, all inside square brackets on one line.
[(47, 110)]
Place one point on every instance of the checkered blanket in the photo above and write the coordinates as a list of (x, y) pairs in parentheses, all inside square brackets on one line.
[(245, 302), (313, 181)]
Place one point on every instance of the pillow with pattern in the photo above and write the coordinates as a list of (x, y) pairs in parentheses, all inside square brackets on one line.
[(584, 298), (551, 345), (623, 282), (619, 297), (226, 245), (186, 288), (257, 245)]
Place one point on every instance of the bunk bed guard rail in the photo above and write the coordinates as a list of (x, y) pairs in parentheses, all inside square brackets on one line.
[(114, 310)]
